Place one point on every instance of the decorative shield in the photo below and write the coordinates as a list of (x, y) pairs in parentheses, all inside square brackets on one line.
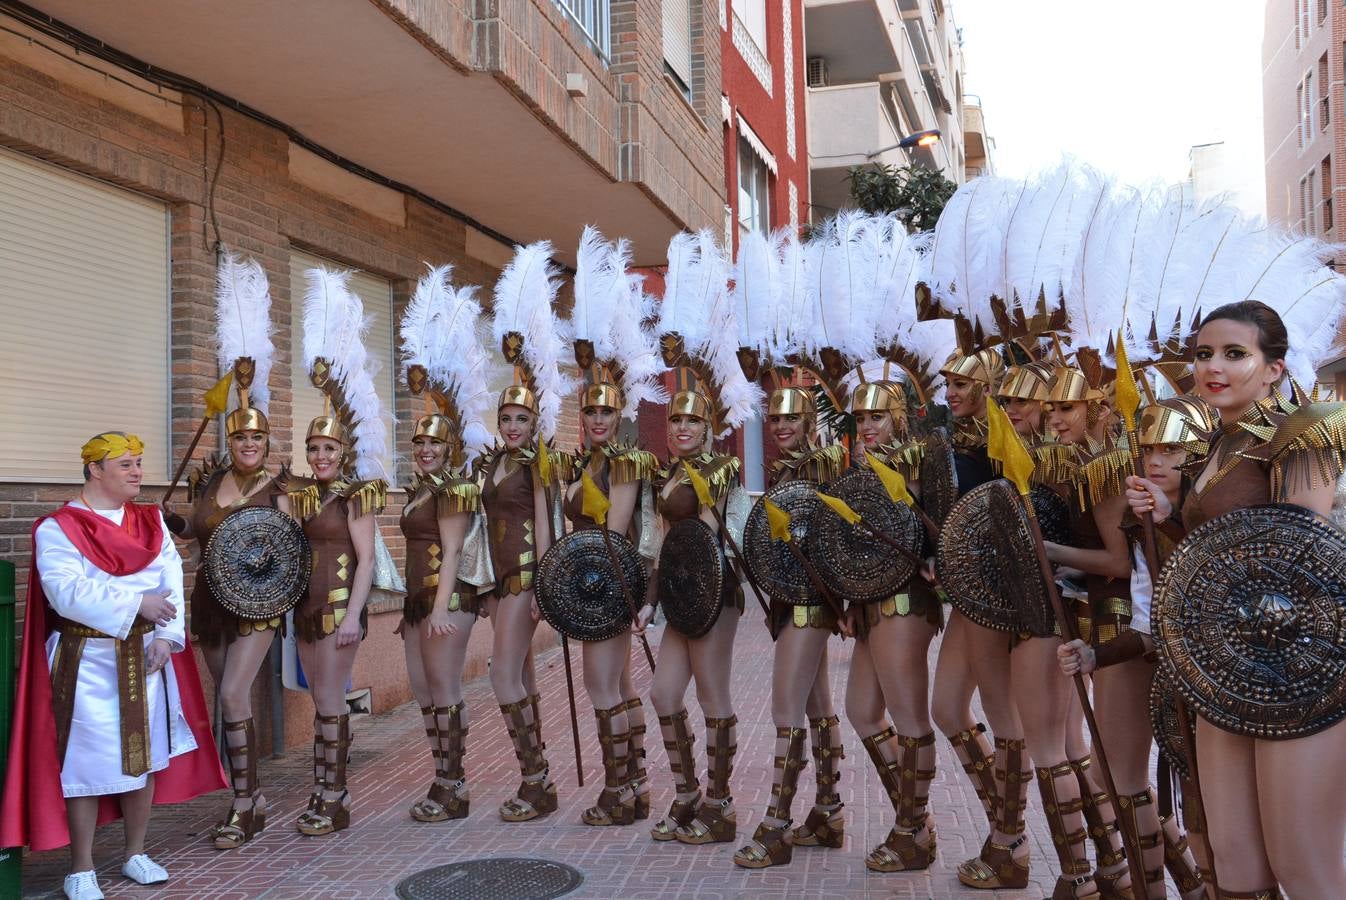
[(771, 562), (691, 577), (967, 564), (257, 562), (1250, 614), (1053, 514), (938, 477), (861, 566), (1168, 733), (1016, 552), (578, 591)]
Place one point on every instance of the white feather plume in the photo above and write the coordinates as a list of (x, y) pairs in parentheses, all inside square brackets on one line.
[(419, 339), (757, 291), (334, 328), (740, 398), (967, 255), (904, 262), (610, 310), (243, 321), (1199, 273), (842, 277), (796, 317), (1043, 233), (697, 277), (523, 303)]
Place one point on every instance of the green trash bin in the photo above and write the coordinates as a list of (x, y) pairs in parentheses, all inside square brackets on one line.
[(11, 858)]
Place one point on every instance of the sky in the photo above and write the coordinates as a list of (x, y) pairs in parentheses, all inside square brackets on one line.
[(1128, 87)]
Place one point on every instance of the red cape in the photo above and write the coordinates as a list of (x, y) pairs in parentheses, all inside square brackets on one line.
[(32, 810)]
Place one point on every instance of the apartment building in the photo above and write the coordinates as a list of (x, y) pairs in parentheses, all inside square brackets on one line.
[(878, 72), (137, 137)]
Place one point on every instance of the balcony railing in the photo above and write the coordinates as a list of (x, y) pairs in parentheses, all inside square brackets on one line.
[(752, 54), (594, 18)]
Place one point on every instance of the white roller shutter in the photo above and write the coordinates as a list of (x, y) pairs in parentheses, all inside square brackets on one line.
[(84, 300), (678, 38), (377, 295)]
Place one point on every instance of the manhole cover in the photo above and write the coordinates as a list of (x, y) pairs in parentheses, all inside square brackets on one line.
[(486, 879)]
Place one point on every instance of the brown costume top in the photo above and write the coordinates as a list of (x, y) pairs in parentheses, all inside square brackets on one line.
[(510, 517), (1100, 477), (433, 497), (324, 509), (721, 474), (213, 624)]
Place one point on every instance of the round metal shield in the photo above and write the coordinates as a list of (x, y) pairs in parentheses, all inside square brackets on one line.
[(578, 590), (1250, 614), (691, 577), (1168, 732), (772, 563), (257, 562), (1053, 514), (1016, 552), (863, 567), (967, 564), (939, 478)]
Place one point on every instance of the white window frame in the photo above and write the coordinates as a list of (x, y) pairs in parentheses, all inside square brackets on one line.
[(754, 199), (594, 20)]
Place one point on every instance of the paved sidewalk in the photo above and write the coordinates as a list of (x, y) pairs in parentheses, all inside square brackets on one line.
[(390, 769)]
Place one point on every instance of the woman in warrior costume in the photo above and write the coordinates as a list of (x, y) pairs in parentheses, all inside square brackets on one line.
[(337, 508), (234, 647), (708, 660), (447, 365), (1079, 416), (1270, 821), (618, 361), (968, 379), (888, 674), (1172, 432), (1003, 861), (799, 681), (517, 494)]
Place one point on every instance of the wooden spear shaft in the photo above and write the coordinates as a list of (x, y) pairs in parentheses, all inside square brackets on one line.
[(186, 458), (1071, 632), (740, 562), (565, 652)]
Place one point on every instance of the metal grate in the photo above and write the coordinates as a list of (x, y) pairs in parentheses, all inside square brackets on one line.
[(509, 878)]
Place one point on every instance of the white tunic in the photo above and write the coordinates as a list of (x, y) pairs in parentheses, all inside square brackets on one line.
[(1142, 593), (81, 592)]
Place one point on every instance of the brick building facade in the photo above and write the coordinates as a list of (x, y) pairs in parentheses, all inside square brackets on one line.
[(376, 134)]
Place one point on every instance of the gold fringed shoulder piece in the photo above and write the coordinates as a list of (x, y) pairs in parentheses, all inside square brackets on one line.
[(1307, 449), (720, 472), (456, 495), (628, 464), (366, 496), (970, 433), (563, 466), (304, 494), (1104, 476), (820, 464), (1053, 465), (905, 458)]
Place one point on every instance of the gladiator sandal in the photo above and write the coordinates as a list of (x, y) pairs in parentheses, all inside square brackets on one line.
[(535, 702), (997, 866), (907, 781), (636, 774), (715, 822), (319, 764), (334, 814), (241, 826), (536, 796), (678, 742), (1106, 834), (825, 825), (1147, 840), (1070, 852), (1178, 858), (771, 843), (616, 805), (973, 750), (447, 798)]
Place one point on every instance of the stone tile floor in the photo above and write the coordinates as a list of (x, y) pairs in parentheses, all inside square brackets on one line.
[(390, 769)]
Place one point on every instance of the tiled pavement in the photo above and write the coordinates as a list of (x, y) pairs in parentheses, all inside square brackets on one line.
[(390, 769)]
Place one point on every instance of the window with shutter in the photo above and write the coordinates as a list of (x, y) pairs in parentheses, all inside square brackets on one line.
[(377, 296), (84, 314), (678, 42)]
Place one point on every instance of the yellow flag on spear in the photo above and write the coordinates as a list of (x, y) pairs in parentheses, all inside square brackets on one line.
[(595, 503), (698, 484), (1004, 445), (543, 462), (840, 507), (892, 481), (217, 398), (779, 522), (1128, 398)]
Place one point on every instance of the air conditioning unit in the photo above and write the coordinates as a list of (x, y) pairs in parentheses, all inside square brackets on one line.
[(817, 71)]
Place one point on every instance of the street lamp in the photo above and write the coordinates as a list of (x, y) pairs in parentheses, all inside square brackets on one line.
[(916, 139)]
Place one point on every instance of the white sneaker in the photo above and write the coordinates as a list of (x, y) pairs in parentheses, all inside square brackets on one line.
[(143, 870), (82, 886)]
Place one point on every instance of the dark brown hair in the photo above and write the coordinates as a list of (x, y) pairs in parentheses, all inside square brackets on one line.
[(1272, 339)]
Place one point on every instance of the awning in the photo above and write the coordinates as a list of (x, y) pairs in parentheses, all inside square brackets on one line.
[(756, 143)]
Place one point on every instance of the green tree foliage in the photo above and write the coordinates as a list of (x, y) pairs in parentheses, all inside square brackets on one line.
[(916, 194)]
